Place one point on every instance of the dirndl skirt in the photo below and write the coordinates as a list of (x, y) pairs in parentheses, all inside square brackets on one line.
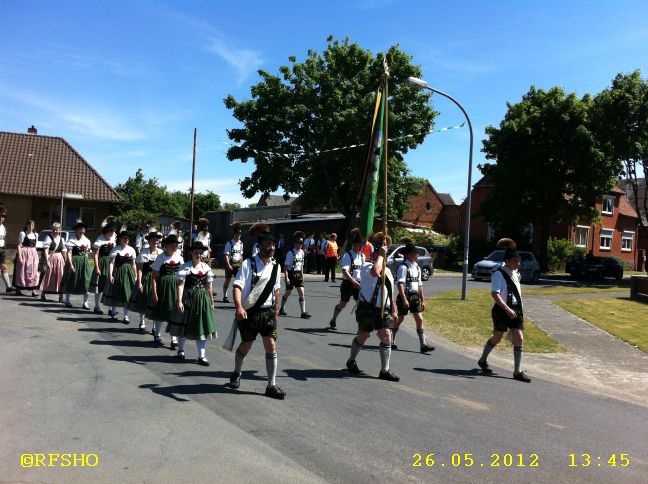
[(197, 321), (26, 275), (118, 294), (52, 282), (98, 282), (77, 282), (167, 291), (139, 300)]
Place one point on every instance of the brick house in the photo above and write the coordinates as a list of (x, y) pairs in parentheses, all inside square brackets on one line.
[(433, 210), (35, 170)]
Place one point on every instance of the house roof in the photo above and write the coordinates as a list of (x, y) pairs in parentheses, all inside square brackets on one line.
[(446, 199), (45, 166), (275, 200)]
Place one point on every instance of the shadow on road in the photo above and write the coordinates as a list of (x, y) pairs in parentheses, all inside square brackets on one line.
[(317, 331), (115, 329), (365, 347), (124, 343), (143, 359), (305, 375), (470, 374), (85, 319), (245, 374), (201, 388)]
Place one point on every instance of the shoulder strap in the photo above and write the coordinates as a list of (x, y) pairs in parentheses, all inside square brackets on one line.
[(267, 289), (512, 288)]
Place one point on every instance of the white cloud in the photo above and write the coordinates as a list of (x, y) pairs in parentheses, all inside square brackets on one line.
[(243, 61)]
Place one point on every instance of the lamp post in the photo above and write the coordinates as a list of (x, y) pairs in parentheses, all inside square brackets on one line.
[(421, 84)]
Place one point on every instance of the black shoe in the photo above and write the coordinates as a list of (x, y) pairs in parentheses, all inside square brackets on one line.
[(86, 307), (97, 311), (325, 280), (11, 289), (282, 312), (68, 305), (332, 324), (225, 300), (43, 298), (305, 316), (394, 347), (235, 381), (352, 367), (521, 377), (426, 348), (388, 375), (158, 341), (203, 361), (174, 345), (275, 392), (181, 355), (484, 367), (34, 294)]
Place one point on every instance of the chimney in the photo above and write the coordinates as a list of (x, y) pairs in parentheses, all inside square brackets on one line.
[(32, 130)]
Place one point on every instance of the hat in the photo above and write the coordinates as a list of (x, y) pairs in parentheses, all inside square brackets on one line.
[(511, 254), (79, 225), (197, 244), (356, 236), (409, 248), (406, 240), (154, 233), (376, 239), (203, 223), (3, 211), (110, 219), (170, 239), (108, 228), (236, 227), (123, 233), (506, 243), (299, 236), (177, 225), (262, 232)]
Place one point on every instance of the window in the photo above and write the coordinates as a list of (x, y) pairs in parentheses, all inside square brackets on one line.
[(606, 239), (608, 205), (428, 206), (581, 236), (490, 235), (88, 217), (626, 241)]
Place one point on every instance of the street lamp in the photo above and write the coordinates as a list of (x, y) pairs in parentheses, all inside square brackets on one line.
[(421, 84)]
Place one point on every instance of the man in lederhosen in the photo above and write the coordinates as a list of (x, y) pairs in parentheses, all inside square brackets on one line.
[(410, 295), (256, 298), (507, 311), (369, 313), (352, 262), (233, 257), (294, 274)]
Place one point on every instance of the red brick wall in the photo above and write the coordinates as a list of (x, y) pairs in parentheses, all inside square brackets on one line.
[(425, 208), (478, 226)]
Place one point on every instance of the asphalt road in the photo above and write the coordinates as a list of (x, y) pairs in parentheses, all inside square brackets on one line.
[(74, 382)]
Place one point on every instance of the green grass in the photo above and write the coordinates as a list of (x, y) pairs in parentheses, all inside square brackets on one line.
[(625, 319), (469, 322), (547, 291)]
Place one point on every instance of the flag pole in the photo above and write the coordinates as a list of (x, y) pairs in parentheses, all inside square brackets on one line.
[(385, 158), (193, 184)]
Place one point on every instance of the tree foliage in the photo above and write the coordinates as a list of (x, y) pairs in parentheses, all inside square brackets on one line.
[(620, 121), (326, 102), (149, 196), (548, 167)]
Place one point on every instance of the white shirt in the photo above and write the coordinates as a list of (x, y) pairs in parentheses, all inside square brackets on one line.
[(3, 235), (146, 256), (83, 243), (102, 240), (255, 249), (57, 240), (206, 240), (122, 251), (234, 250), (415, 276), (244, 281), (307, 243), (498, 284), (368, 285), (163, 258), (141, 242), (201, 268), (294, 260), (351, 258), (22, 235)]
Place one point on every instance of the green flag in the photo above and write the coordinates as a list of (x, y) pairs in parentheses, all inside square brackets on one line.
[(373, 170)]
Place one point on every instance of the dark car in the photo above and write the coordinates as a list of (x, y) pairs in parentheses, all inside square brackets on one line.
[(595, 267)]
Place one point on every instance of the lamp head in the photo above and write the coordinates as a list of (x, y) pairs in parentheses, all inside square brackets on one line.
[(416, 82)]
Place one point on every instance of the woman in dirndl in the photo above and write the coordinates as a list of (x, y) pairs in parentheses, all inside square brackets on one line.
[(54, 250), (194, 318), (144, 262), (121, 276), (78, 271), (164, 292), (26, 275), (102, 248)]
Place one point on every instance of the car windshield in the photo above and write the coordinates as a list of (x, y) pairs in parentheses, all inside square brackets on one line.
[(497, 256)]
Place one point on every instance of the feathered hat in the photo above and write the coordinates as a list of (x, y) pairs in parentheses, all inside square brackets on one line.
[(298, 236), (79, 225), (261, 231), (110, 219), (236, 227)]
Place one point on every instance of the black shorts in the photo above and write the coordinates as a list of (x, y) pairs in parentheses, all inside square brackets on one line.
[(415, 304), (501, 321), (295, 279), (233, 272), (347, 290), (369, 318), (261, 322)]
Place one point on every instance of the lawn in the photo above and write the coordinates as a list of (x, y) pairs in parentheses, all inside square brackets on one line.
[(547, 291), (625, 319), (469, 322)]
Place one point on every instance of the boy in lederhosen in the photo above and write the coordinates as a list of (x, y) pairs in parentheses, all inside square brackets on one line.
[(294, 274), (410, 296), (507, 311), (369, 313), (352, 262)]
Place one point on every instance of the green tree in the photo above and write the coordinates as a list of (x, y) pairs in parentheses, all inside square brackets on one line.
[(547, 167), (620, 121), (147, 196), (204, 202), (326, 102), (231, 206)]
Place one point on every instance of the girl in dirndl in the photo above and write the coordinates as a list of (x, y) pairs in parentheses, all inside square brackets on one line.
[(26, 275), (164, 293), (144, 262), (195, 316), (102, 248), (55, 250), (121, 276), (78, 271)]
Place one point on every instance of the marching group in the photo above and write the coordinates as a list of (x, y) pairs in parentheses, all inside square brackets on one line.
[(155, 281)]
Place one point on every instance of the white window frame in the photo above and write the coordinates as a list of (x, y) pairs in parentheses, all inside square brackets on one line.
[(625, 237), (581, 227), (606, 237), (611, 199)]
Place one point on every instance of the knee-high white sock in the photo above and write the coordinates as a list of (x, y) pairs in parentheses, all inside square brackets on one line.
[(302, 304), (385, 353), (201, 344), (174, 339), (271, 367), (97, 297), (157, 326), (142, 319), (85, 297), (125, 312), (5, 278)]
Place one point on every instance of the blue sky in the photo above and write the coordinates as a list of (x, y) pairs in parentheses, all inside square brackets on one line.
[(126, 82)]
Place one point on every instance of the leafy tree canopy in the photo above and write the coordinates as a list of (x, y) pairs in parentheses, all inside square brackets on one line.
[(326, 102), (149, 196)]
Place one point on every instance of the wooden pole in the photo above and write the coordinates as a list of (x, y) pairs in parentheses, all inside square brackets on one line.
[(193, 184), (385, 158)]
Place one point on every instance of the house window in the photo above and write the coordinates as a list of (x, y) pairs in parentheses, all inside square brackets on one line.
[(581, 236), (608, 205), (88, 216), (626, 241), (490, 234), (606, 239), (428, 206)]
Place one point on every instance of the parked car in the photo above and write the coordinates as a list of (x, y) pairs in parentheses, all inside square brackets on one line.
[(395, 258), (529, 267), (594, 267)]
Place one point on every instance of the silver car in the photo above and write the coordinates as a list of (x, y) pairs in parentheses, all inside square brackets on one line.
[(529, 267), (395, 258)]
